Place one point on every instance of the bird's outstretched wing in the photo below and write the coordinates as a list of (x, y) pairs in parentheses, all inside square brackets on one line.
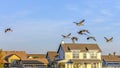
[(82, 21), (69, 34), (66, 36), (79, 23), (108, 40), (91, 37), (111, 38)]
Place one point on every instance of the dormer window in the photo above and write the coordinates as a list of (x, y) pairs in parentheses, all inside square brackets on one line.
[(76, 54)]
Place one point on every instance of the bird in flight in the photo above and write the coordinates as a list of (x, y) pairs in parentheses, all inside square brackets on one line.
[(91, 37), (8, 30), (74, 39), (66, 36), (79, 23), (83, 32), (108, 39)]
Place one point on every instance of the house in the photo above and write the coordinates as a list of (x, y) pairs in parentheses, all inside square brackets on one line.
[(28, 64), (20, 59), (72, 55), (50, 57), (32, 61), (10, 56), (111, 61)]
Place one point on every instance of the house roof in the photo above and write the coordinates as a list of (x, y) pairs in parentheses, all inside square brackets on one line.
[(111, 58), (21, 54), (51, 54), (43, 60), (37, 55), (82, 47), (31, 62), (40, 57), (80, 61), (85, 60)]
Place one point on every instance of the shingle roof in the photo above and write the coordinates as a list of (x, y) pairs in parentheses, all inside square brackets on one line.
[(82, 47), (52, 55), (111, 58), (37, 55), (40, 57), (21, 54), (86, 60), (31, 62)]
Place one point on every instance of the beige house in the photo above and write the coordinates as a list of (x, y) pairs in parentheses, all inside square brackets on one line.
[(111, 61), (19, 59), (78, 56)]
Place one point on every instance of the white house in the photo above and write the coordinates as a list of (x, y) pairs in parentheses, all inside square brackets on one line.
[(78, 56)]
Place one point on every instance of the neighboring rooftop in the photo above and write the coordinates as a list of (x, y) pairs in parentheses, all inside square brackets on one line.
[(37, 55), (21, 54), (111, 58)]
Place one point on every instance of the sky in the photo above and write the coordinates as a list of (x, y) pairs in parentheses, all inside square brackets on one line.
[(38, 24)]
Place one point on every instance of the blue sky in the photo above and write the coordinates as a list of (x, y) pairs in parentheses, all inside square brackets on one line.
[(38, 24)]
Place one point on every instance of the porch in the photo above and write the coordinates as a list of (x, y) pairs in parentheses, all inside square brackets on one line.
[(79, 64)]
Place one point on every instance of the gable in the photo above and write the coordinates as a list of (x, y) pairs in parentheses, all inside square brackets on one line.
[(13, 57)]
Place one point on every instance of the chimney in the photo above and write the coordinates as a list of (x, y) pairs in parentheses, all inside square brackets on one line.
[(109, 54), (62, 42), (114, 53)]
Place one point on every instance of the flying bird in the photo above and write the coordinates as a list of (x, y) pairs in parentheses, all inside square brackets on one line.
[(8, 30), (108, 39), (74, 39), (66, 36), (79, 23), (91, 37), (83, 32)]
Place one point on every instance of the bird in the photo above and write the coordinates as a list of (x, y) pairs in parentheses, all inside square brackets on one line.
[(74, 39), (8, 30), (91, 37), (83, 32), (108, 39), (79, 23), (66, 36)]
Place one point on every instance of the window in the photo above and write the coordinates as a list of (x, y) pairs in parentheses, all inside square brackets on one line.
[(93, 55), (84, 55), (93, 65), (76, 54)]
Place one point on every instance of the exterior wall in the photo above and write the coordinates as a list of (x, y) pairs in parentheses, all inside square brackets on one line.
[(99, 55), (13, 57), (81, 65), (69, 55)]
